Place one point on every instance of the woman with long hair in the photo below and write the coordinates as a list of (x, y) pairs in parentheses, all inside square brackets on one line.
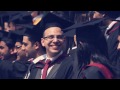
[(92, 55)]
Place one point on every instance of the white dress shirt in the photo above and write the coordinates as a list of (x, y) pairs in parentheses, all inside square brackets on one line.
[(52, 59)]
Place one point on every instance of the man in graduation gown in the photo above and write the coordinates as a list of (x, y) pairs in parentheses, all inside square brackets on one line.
[(60, 66), (32, 47), (32, 50), (111, 32), (7, 47), (7, 55)]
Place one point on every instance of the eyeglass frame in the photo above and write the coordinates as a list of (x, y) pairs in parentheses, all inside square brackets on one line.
[(51, 37)]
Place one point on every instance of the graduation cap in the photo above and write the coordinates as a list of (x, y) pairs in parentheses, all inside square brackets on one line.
[(37, 18), (51, 20), (111, 14), (89, 32), (25, 26), (21, 18), (26, 16), (71, 31), (15, 18)]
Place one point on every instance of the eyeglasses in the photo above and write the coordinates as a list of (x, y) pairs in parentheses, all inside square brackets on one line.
[(51, 37)]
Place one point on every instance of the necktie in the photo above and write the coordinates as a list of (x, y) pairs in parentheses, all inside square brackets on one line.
[(45, 69)]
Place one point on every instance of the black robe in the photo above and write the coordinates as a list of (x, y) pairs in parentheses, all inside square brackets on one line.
[(91, 73), (95, 71), (10, 70), (5, 69), (61, 69), (112, 43)]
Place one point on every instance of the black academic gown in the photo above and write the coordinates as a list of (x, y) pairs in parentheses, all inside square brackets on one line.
[(112, 43), (91, 73), (62, 69), (73, 52), (20, 68), (10, 70), (95, 71), (5, 69)]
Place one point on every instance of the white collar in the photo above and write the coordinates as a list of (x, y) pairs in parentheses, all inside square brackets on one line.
[(74, 47), (111, 25), (42, 57), (54, 58)]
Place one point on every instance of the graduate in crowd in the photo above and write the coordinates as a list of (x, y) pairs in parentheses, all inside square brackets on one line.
[(18, 35), (54, 42), (30, 50), (92, 56)]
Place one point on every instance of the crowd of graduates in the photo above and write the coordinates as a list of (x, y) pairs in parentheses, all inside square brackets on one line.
[(60, 45)]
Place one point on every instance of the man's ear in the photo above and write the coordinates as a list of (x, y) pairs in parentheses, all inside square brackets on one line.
[(36, 45), (42, 42), (12, 51)]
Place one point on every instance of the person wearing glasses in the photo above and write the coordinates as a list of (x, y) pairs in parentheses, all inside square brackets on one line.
[(60, 65), (18, 35), (28, 53)]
